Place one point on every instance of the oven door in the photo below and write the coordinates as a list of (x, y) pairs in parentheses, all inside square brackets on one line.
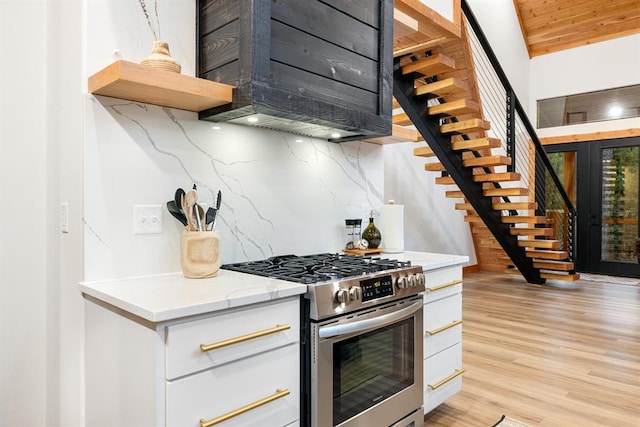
[(367, 370)]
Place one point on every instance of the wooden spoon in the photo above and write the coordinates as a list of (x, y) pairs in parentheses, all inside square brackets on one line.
[(188, 202)]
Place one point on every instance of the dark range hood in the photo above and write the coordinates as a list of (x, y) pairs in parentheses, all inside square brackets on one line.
[(309, 67)]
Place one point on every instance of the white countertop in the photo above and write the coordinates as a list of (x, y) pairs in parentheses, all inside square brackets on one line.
[(165, 297), (428, 261), (170, 296)]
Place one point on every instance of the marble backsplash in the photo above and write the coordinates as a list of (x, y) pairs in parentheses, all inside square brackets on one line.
[(282, 193)]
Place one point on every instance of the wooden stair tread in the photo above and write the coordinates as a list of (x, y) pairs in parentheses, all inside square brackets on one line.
[(515, 206), (487, 161), (497, 177), (474, 219), (505, 191), (539, 243), (399, 134), (522, 219), (463, 207), (454, 108), (454, 194), (530, 231), (401, 119), (430, 66), (445, 180), (476, 144), (559, 276), (546, 264), (434, 167), (543, 254), (450, 86), (423, 152), (466, 126)]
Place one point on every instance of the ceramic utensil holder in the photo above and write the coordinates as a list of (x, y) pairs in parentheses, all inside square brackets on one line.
[(199, 253)]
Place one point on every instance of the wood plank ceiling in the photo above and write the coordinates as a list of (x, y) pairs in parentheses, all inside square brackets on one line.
[(553, 25)]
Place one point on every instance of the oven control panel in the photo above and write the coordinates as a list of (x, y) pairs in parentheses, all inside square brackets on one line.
[(378, 287), (375, 288), (364, 291)]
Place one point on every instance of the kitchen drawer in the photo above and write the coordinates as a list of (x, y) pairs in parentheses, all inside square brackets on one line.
[(442, 324), (442, 282), (221, 390), (442, 376), (256, 329)]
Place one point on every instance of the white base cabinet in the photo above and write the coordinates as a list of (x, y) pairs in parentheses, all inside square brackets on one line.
[(442, 335), (140, 373)]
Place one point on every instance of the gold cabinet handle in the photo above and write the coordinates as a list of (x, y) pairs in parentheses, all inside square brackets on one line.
[(444, 328), (445, 285), (254, 335), (457, 373), (278, 395)]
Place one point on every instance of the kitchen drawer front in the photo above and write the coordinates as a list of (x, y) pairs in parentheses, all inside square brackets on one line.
[(221, 390), (258, 329), (442, 376), (442, 324), (442, 282)]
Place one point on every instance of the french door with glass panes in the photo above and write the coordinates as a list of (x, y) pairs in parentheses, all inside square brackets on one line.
[(606, 195)]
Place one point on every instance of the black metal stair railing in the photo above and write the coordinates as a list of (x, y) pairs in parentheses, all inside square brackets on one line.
[(511, 125)]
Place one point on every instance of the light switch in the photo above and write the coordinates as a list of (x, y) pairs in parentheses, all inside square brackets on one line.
[(147, 219)]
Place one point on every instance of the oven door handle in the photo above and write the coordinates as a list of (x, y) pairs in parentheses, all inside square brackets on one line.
[(364, 325)]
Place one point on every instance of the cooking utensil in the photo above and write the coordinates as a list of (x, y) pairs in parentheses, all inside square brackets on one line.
[(210, 216), (177, 198), (176, 212), (215, 214), (188, 203), (197, 209)]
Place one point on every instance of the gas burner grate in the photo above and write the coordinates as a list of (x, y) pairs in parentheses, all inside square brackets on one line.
[(310, 269)]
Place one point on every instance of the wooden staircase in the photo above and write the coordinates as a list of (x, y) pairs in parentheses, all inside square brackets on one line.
[(437, 100)]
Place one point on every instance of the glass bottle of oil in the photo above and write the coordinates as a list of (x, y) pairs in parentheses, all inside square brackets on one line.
[(371, 234)]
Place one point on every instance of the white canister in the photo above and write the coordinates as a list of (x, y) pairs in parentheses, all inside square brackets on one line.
[(392, 227)]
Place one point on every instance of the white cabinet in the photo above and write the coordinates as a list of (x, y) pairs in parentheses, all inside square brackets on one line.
[(442, 335), (232, 367)]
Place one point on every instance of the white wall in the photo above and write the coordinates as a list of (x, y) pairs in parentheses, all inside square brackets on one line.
[(499, 22), (65, 330), (597, 66), (443, 7), (23, 217), (40, 165), (431, 222)]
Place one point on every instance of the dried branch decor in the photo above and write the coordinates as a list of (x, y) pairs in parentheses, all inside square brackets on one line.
[(143, 5)]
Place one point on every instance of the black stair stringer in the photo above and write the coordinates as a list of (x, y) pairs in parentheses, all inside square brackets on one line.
[(429, 128)]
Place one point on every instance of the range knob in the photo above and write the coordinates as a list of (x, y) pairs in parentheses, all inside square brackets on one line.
[(420, 279), (402, 282), (413, 281), (343, 296), (355, 293)]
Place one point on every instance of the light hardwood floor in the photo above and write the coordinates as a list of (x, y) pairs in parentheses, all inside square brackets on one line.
[(562, 354)]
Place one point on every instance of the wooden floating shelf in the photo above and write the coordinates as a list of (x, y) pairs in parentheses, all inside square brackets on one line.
[(135, 82)]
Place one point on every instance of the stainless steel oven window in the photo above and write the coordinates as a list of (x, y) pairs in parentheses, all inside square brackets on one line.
[(371, 367)]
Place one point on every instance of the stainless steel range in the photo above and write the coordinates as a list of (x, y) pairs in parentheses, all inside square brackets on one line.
[(361, 337)]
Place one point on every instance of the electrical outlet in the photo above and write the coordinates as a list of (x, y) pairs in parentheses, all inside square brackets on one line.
[(147, 219)]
